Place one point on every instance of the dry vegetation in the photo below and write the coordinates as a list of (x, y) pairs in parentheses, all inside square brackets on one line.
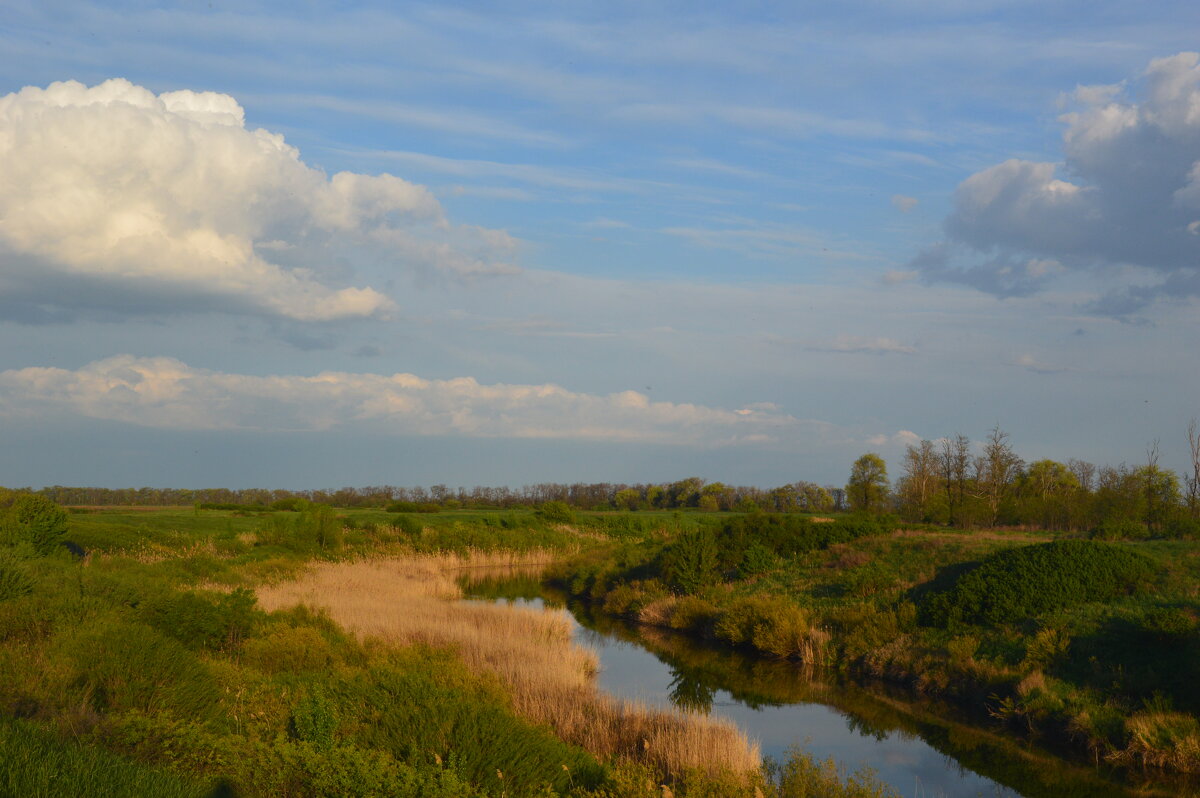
[(412, 599)]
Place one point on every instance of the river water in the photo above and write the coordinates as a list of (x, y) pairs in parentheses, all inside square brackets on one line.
[(920, 748)]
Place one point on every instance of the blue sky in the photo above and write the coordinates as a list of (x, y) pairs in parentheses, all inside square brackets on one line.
[(619, 242)]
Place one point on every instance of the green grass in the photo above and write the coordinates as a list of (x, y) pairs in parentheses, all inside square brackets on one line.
[(36, 763)]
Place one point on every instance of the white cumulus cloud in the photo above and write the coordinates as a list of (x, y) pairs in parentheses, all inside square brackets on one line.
[(117, 191), (166, 393)]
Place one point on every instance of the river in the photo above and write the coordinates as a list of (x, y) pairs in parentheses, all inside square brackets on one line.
[(921, 748)]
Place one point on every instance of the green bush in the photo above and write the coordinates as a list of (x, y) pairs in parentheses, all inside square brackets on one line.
[(203, 622), (556, 513), (692, 562), (1016, 584), (36, 520)]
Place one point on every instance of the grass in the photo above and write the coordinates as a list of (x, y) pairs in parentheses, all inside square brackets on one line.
[(411, 600), (36, 763)]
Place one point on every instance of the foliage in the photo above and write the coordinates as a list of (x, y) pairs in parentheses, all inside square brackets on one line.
[(556, 512), (36, 520), (867, 489), (691, 562), (1021, 583)]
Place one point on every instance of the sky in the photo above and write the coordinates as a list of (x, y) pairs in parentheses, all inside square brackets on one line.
[(306, 245)]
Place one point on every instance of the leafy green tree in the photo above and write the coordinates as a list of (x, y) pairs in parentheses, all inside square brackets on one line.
[(867, 489), (38, 521), (628, 499), (1048, 491)]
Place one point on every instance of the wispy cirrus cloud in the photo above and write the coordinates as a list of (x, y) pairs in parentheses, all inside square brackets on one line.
[(860, 344)]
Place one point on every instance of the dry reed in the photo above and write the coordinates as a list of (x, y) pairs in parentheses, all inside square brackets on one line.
[(414, 599)]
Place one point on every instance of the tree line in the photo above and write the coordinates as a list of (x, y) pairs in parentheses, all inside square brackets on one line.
[(947, 482), (692, 492)]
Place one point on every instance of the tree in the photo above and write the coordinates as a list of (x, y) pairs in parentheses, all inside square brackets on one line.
[(995, 471), (919, 482), (814, 498), (867, 489), (954, 461), (1047, 490), (628, 499), (1193, 480)]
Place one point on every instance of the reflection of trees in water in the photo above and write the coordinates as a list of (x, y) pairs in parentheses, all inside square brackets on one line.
[(689, 693)]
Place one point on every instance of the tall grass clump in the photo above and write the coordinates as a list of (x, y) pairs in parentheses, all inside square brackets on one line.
[(1016, 584), (37, 763)]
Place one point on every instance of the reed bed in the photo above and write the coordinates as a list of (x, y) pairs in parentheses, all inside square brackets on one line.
[(414, 599)]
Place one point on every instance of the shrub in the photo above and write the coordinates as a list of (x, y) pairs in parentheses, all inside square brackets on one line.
[(1119, 529), (1183, 527), (770, 624), (691, 563), (314, 720), (1015, 584), (36, 520), (556, 513), (198, 621), (291, 650)]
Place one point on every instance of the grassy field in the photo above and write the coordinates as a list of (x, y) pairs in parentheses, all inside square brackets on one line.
[(220, 652)]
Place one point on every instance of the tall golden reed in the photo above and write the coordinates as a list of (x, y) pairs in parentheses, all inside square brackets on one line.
[(414, 599)]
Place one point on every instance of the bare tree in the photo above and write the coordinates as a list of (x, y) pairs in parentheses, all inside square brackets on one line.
[(1084, 471), (955, 462), (1193, 480), (917, 485), (996, 470)]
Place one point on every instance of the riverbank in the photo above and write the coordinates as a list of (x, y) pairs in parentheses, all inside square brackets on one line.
[(1112, 679)]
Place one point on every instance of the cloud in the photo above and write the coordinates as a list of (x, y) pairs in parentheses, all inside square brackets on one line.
[(1030, 363), (902, 438), (165, 393), (904, 204), (166, 202), (1126, 195), (854, 343)]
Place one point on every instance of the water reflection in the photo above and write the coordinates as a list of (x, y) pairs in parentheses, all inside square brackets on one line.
[(920, 747)]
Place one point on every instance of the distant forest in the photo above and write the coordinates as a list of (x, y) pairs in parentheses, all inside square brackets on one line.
[(942, 482)]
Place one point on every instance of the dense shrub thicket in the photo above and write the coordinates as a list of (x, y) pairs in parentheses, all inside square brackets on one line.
[(1015, 584), (750, 544)]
